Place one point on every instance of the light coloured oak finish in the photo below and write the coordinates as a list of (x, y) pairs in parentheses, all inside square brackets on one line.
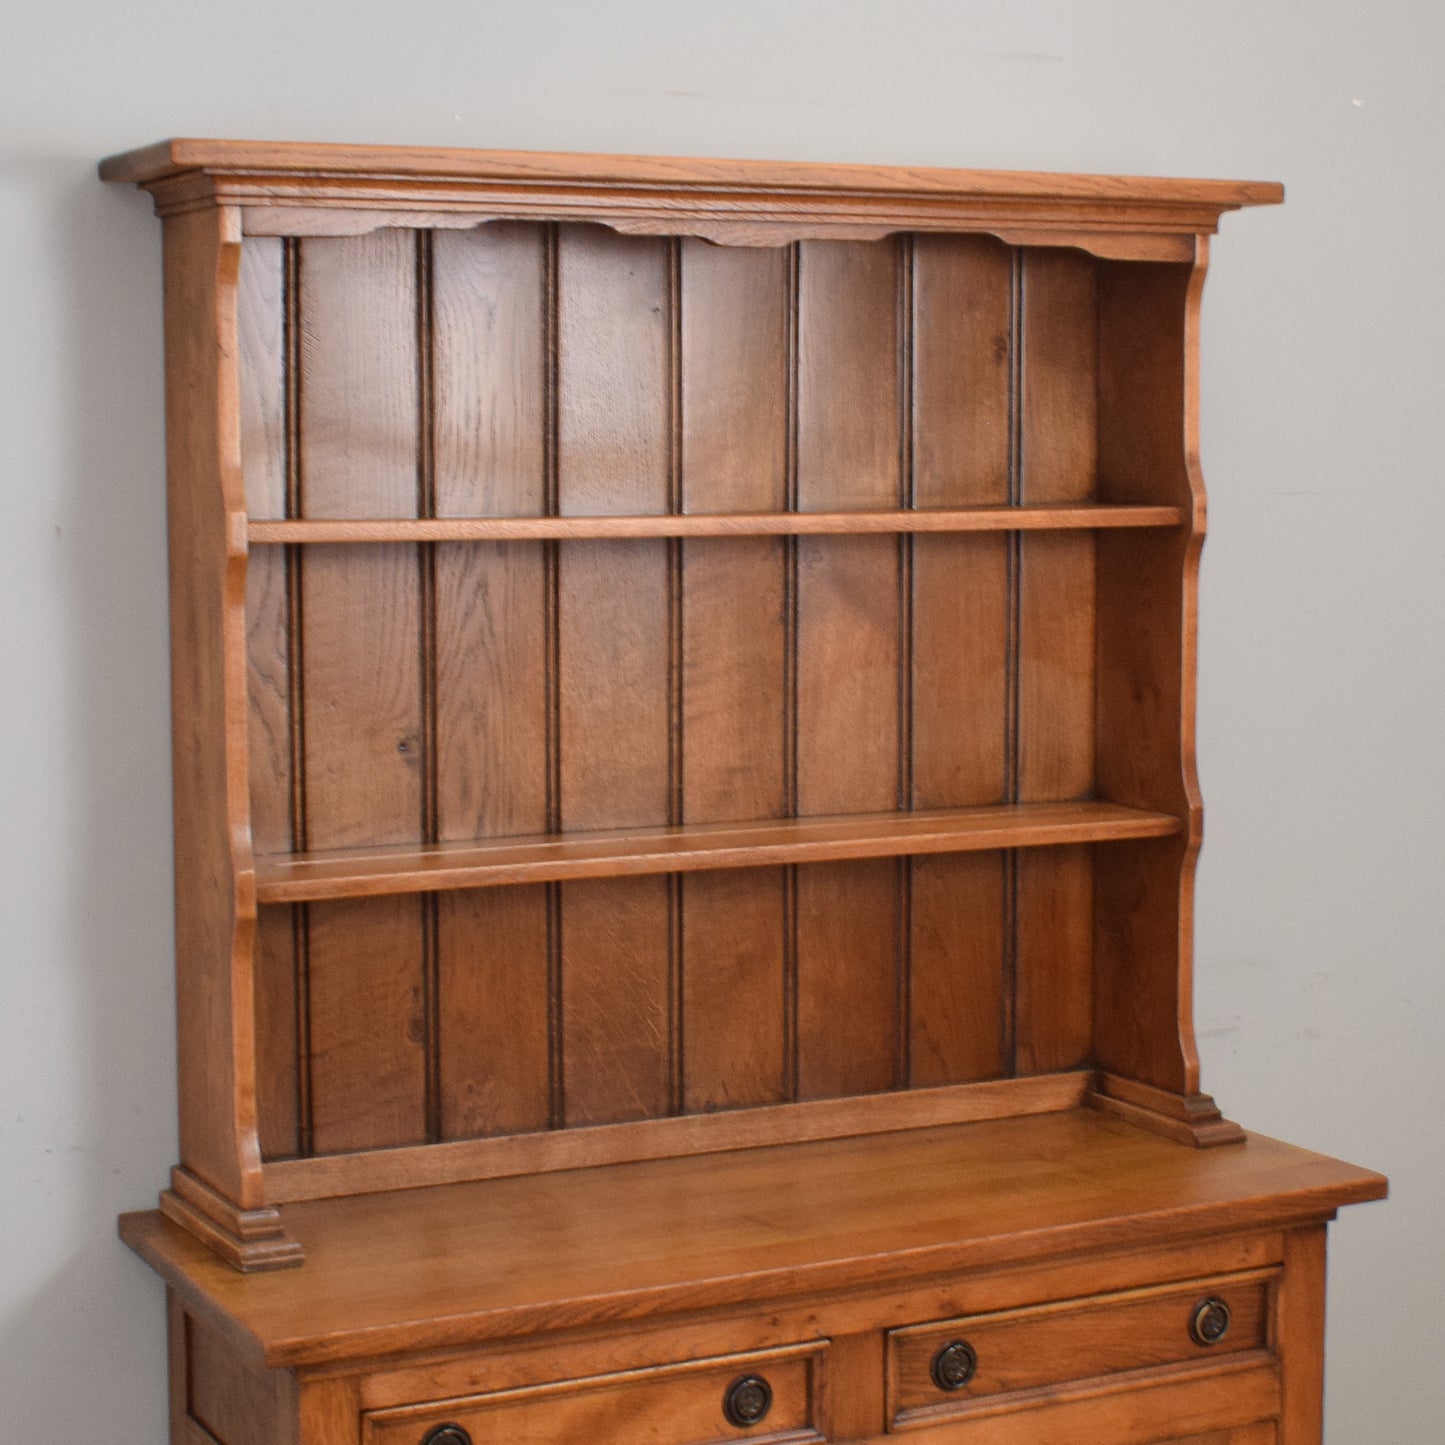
[(686, 813)]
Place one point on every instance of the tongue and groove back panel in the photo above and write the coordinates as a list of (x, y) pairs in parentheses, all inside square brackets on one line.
[(405, 694)]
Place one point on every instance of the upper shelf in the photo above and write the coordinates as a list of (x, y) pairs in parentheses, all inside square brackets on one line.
[(732, 524), (295, 188), (364, 872)]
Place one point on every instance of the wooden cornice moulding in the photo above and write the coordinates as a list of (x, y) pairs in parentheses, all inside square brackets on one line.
[(301, 189)]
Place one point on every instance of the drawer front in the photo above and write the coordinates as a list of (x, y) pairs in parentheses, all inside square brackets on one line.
[(768, 1396), (963, 1366)]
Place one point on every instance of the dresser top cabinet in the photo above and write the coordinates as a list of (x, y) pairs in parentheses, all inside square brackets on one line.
[(684, 778)]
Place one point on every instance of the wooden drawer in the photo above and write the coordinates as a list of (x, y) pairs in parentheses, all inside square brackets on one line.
[(680, 1404), (1011, 1358)]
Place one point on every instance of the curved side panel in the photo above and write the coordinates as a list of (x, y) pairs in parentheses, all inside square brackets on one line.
[(1148, 601), (215, 881)]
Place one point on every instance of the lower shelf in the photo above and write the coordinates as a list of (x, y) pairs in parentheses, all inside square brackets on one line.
[(368, 872)]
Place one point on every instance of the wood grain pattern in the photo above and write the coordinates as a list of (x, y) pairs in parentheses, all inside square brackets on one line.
[(494, 1007), (616, 1000), (1055, 955), (848, 978), (962, 304), (491, 691), (228, 1396), (261, 377), (632, 1241), (279, 1036), (613, 425), (956, 994), (366, 1010), (490, 367), (734, 1028), (489, 291)]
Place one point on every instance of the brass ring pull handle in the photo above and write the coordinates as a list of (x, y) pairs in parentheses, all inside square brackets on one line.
[(447, 1435), (1210, 1321), (954, 1365), (747, 1400)]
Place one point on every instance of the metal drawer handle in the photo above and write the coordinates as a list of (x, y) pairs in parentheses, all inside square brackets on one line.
[(954, 1365), (447, 1435), (1210, 1321), (747, 1400)]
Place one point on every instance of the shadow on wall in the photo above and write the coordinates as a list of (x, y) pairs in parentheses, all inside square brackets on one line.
[(86, 1347)]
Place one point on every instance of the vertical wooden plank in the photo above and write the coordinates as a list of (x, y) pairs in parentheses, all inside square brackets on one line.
[(848, 419), (848, 457), (848, 926), (277, 1034), (368, 1069), (328, 1411), (962, 456), (848, 683), (261, 322), (1054, 1005), (616, 1002), (961, 449), (361, 671), (178, 1374), (489, 366), (261, 373), (261, 370), (615, 450), (269, 731), (361, 626), (491, 690), (489, 297), (848, 660), (733, 1023), (734, 373), (956, 998), (1056, 662), (1060, 377), (359, 375), (615, 661), (614, 455), (492, 980), (1300, 1336), (613, 422), (1056, 605), (734, 458), (962, 322)]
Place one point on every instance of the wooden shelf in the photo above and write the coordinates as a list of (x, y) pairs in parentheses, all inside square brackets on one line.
[(365, 872), (732, 524)]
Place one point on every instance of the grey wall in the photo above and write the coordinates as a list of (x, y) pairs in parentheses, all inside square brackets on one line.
[(1320, 992)]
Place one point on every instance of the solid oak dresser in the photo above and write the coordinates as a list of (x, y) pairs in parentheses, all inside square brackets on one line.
[(685, 813)]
